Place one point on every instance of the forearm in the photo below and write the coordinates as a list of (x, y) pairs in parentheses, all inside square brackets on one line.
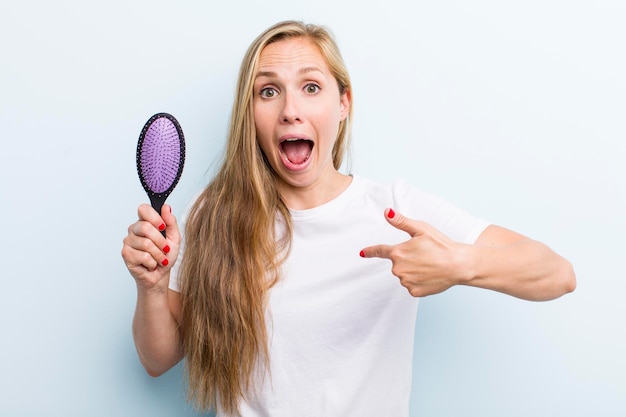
[(525, 269), (155, 331)]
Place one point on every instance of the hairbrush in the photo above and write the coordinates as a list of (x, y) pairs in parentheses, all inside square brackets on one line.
[(160, 157)]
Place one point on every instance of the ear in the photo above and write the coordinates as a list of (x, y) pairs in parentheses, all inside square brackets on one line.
[(345, 101)]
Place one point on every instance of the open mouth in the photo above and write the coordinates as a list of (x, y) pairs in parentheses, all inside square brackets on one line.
[(297, 151)]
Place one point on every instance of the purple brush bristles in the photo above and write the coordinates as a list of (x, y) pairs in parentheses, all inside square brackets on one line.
[(160, 155)]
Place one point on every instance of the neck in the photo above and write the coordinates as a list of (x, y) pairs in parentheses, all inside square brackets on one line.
[(316, 194)]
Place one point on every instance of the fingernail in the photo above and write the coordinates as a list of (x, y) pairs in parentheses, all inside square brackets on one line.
[(391, 214), (165, 262), (362, 254), (166, 249), (162, 227)]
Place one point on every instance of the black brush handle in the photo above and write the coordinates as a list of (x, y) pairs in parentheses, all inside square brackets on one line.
[(157, 201)]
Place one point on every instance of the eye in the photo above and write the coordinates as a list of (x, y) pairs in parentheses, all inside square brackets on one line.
[(312, 88), (268, 92)]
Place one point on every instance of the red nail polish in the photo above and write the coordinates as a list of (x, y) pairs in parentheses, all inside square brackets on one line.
[(165, 262), (391, 214), (166, 249), (162, 227), (362, 254)]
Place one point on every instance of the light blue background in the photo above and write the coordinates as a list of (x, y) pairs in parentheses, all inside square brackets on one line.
[(514, 110)]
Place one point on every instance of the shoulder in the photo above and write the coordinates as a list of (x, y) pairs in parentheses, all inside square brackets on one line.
[(399, 193), (419, 204)]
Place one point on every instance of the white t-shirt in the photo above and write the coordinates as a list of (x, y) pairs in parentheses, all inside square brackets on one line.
[(341, 327)]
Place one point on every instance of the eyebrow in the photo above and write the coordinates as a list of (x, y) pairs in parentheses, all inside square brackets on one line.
[(301, 71)]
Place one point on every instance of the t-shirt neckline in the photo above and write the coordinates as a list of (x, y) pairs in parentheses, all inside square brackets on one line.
[(330, 206)]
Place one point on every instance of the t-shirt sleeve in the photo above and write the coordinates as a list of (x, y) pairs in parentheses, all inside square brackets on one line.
[(452, 221), (174, 284)]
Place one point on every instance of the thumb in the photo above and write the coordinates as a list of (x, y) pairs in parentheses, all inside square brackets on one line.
[(397, 220), (170, 222)]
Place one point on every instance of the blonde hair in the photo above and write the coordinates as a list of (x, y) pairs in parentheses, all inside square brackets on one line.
[(232, 254)]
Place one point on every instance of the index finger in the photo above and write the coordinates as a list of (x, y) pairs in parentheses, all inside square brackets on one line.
[(148, 214), (377, 251)]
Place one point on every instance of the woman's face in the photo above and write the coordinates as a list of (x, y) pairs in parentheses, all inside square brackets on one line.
[(297, 111)]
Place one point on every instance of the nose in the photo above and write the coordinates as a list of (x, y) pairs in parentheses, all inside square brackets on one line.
[(291, 111)]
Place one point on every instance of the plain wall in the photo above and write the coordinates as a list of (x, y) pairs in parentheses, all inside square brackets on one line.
[(512, 110)]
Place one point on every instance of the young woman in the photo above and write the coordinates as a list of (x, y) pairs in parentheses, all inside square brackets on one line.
[(285, 302)]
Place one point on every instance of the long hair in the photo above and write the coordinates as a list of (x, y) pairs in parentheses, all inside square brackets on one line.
[(232, 253)]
